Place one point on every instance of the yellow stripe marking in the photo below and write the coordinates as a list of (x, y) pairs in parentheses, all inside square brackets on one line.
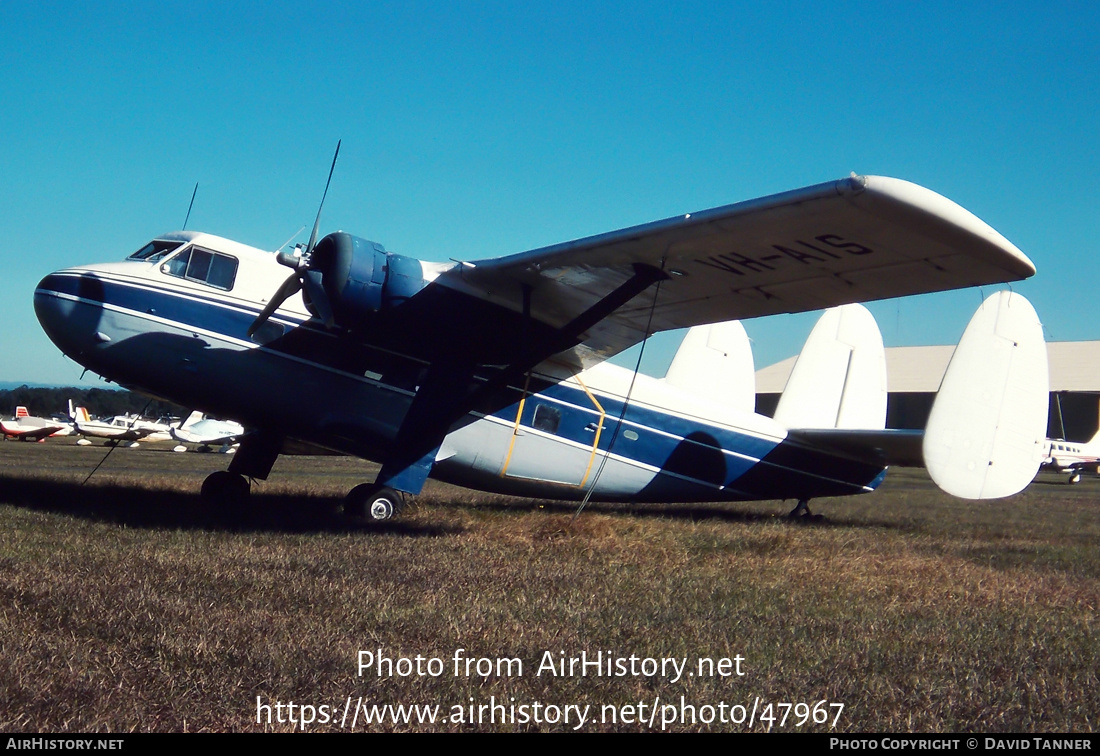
[(599, 430), (515, 428)]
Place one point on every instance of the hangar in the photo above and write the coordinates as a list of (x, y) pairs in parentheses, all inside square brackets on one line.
[(913, 376)]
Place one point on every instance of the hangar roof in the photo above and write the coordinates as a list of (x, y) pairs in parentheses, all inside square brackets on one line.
[(1074, 366)]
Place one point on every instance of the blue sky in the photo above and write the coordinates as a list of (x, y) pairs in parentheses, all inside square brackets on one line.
[(480, 129)]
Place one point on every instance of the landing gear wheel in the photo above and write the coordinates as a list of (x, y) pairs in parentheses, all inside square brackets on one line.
[(373, 502), (225, 490), (1075, 477), (802, 513), (801, 509)]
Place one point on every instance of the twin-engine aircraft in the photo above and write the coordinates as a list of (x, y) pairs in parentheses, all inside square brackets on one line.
[(491, 373), (1073, 457)]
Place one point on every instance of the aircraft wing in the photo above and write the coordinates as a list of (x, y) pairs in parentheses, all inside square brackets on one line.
[(15, 430), (854, 240)]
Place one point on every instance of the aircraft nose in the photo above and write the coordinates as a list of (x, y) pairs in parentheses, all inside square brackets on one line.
[(68, 305)]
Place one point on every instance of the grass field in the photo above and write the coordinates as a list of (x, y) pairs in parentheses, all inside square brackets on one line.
[(128, 607)]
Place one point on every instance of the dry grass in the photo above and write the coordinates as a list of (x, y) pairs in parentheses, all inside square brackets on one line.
[(126, 606)]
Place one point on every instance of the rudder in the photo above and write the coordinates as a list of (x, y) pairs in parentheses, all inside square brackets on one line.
[(839, 378), (987, 429), (714, 362)]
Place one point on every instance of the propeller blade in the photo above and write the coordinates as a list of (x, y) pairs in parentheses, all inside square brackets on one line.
[(317, 223), (288, 289), (317, 296)]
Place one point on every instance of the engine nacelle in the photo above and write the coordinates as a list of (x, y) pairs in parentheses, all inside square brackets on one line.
[(360, 277)]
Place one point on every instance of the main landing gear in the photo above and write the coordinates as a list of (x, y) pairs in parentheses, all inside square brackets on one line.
[(802, 513), (226, 490), (229, 490), (374, 502)]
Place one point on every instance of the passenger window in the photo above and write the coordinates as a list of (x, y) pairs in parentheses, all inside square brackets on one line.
[(199, 266), (223, 271), (546, 419), (204, 266)]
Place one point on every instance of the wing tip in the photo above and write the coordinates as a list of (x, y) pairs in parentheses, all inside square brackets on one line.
[(914, 197)]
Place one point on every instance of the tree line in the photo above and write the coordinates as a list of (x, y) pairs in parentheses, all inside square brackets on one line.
[(44, 402)]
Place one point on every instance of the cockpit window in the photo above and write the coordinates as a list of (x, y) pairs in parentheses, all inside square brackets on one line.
[(155, 250), (204, 266)]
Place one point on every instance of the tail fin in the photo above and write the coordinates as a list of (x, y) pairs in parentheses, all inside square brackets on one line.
[(21, 411), (839, 378), (80, 415), (987, 430), (715, 362), (191, 419)]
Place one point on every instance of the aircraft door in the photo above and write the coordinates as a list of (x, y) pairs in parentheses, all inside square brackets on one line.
[(555, 441)]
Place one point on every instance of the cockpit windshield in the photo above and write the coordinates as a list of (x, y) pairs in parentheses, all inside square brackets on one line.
[(155, 250)]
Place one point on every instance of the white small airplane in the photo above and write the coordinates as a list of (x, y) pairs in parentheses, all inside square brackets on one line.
[(119, 428), (491, 374), (25, 427), (1073, 457), (206, 432)]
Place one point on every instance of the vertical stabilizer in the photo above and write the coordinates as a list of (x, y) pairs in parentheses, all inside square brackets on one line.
[(190, 420), (987, 430), (714, 362), (839, 378)]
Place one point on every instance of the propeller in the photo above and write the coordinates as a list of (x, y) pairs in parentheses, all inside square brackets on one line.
[(304, 276)]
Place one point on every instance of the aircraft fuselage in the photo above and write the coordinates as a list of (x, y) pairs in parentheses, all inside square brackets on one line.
[(180, 331)]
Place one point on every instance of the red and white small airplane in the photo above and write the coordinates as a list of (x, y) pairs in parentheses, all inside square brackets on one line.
[(28, 428)]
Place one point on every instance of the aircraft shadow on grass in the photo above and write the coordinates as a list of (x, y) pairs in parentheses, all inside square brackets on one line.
[(303, 513), (142, 508)]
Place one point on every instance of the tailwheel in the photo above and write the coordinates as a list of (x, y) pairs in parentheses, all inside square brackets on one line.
[(225, 490), (373, 502)]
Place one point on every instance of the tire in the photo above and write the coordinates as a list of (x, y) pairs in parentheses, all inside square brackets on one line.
[(373, 502), (225, 490)]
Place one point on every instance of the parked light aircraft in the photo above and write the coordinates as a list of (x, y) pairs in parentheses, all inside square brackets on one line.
[(492, 374), (1072, 456), (25, 427), (206, 432), (119, 428)]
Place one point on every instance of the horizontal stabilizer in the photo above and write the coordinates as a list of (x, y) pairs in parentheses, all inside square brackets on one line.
[(986, 432), (884, 447), (714, 363), (839, 378)]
